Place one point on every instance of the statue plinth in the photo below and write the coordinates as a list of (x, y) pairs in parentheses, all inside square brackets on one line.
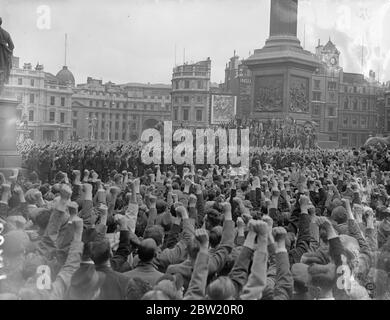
[(282, 70), (9, 157)]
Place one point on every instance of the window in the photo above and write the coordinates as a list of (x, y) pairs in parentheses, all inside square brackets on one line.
[(199, 99), (331, 112), (186, 99), (175, 114), (177, 84), (332, 85), (102, 135), (330, 126), (32, 82), (316, 110), (346, 104), (177, 100), (364, 90), (20, 81), (97, 103), (31, 115), (145, 107), (116, 136), (388, 101), (62, 117), (345, 89), (103, 115), (199, 115), (32, 98), (317, 96), (90, 103), (364, 105), (354, 122), (74, 123), (103, 124), (62, 102), (200, 84), (363, 122), (134, 117), (317, 84), (52, 100), (123, 125), (134, 126), (355, 104), (354, 89), (186, 84), (185, 115), (117, 116), (345, 122), (90, 115), (52, 116)]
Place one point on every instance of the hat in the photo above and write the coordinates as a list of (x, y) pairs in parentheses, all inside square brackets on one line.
[(15, 242), (339, 214)]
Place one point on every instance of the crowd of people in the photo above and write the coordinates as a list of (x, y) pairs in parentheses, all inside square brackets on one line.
[(91, 222), (281, 133)]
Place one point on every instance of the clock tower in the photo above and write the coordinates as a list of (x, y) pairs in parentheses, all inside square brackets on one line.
[(329, 54)]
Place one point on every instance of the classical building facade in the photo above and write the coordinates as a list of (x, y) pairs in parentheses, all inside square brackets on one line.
[(191, 94), (112, 112), (386, 111), (44, 110)]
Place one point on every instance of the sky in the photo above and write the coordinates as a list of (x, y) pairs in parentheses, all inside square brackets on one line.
[(134, 40)]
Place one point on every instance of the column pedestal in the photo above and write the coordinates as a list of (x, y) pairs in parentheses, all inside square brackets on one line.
[(9, 157)]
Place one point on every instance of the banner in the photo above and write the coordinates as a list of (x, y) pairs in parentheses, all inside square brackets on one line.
[(223, 108)]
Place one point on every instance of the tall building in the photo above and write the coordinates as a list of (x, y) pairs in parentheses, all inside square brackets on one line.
[(386, 111), (112, 112), (358, 111), (191, 94), (325, 97), (238, 81), (44, 101)]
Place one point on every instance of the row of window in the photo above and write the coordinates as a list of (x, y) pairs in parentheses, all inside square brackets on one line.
[(52, 116), (186, 115), (121, 105), (52, 100), (104, 125), (354, 104), (189, 84), (317, 111), (354, 122), (332, 85), (103, 115), (188, 99), (20, 82)]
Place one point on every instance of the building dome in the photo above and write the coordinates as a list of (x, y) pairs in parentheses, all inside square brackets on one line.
[(65, 77)]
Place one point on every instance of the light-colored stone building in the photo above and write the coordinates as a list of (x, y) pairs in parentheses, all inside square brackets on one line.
[(112, 112), (191, 94), (44, 101)]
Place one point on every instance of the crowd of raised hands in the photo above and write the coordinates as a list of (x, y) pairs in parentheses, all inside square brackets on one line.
[(315, 229)]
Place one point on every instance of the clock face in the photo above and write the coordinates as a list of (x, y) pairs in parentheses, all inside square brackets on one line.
[(333, 61)]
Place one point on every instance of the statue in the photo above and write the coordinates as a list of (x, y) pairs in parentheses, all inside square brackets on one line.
[(6, 50)]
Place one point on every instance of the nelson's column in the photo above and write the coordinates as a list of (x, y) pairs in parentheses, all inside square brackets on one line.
[(282, 70)]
